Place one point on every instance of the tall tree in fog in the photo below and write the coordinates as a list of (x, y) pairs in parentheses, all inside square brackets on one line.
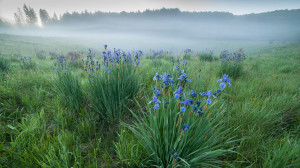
[(19, 17), (30, 14), (45, 18), (54, 17)]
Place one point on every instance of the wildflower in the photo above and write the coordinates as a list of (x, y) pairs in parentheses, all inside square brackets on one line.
[(171, 152), (200, 111), (183, 77), (177, 96), (194, 94), (157, 77), (184, 63), (107, 70), (176, 156), (194, 108), (155, 100), (171, 59), (198, 102), (182, 109), (208, 94), (91, 75), (105, 46), (167, 79), (179, 90), (186, 102), (222, 85), (224, 80), (186, 127), (157, 92), (208, 101), (156, 106)]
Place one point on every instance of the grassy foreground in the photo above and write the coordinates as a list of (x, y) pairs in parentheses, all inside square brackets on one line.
[(56, 112)]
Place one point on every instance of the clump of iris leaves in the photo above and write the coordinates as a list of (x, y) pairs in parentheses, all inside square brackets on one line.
[(178, 128)]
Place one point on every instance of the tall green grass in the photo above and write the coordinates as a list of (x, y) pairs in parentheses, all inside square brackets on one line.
[(232, 69), (69, 87), (112, 92), (161, 135)]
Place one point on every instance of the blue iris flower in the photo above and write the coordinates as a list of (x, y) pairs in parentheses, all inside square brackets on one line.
[(107, 70), (156, 91), (186, 102), (198, 102), (182, 109), (200, 111), (157, 77), (179, 90), (155, 100), (177, 96), (156, 106), (224, 80), (208, 101), (167, 79), (183, 77), (186, 127), (194, 94), (208, 94), (194, 108)]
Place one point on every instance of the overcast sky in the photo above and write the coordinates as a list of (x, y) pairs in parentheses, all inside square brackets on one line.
[(8, 7)]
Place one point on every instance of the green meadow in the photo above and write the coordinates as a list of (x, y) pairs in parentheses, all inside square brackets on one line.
[(76, 109)]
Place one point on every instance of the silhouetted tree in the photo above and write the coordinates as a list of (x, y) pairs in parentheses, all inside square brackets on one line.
[(45, 18), (54, 17), (19, 18), (30, 14)]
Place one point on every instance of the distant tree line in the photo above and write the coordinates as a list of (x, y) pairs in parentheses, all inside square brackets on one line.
[(29, 16)]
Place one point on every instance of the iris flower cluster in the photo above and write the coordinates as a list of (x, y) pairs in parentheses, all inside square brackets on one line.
[(227, 56), (188, 99), (115, 58), (188, 51), (40, 53)]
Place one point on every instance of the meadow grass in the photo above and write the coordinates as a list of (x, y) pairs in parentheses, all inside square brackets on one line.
[(59, 119)]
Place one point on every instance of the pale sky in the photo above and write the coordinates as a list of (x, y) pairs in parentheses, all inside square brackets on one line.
[(238, 7)]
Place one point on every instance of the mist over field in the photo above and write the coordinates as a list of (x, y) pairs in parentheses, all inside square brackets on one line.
[(169, 29)]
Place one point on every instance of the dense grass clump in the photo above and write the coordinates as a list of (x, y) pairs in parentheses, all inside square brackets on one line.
[(41, 54), (232, 63), (112, 90), (129, 151), (206, 56), (69, 87), (4, 65), (27, 63), (233, 69), (284, 153), (177, 130)]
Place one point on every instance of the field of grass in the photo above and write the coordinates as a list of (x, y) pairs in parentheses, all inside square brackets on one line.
[(67, 106)]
